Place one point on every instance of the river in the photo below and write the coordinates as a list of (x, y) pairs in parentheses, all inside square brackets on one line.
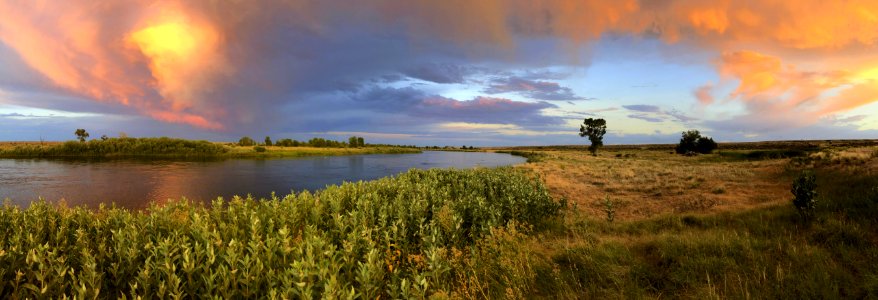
[(135, 184)]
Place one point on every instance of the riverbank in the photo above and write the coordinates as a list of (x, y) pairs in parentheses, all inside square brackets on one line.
[(275, 151), (174, 148)]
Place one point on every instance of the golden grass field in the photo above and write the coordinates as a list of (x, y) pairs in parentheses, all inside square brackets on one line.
[(643, 183), (653, 182), (704, 227)]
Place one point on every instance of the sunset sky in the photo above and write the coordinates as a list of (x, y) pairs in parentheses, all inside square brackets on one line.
[(450, 72)]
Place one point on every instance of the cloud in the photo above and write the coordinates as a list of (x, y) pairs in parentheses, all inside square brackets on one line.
[(421, 105), (655, 114), (439, 73), (541, 90), (19, 115), (769, 87), (704, 94), (501, 129), (642, 108), (647, 117)]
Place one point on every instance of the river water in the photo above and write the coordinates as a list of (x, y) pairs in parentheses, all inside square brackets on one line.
[(135, 183)]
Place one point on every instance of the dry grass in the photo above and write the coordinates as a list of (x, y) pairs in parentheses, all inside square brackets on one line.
[(649, 183), (10, 145)]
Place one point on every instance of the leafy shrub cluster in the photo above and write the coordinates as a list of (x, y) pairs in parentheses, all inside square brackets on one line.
[(805, 191), (246, 141), (693, 142), (162, 146), (408, 236)]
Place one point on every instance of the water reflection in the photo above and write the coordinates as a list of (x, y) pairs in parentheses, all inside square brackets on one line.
[(136, 183)]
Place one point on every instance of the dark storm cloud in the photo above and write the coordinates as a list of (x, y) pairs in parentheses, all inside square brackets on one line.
[(423, 106), (439, 73)]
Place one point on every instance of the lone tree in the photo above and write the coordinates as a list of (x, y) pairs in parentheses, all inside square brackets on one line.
[(268, 141), (692, 141), (81, 134), (594, 129), (361, 142)]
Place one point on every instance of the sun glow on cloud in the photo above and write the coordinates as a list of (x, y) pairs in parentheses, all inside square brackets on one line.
[(180, 51), (100, 51)]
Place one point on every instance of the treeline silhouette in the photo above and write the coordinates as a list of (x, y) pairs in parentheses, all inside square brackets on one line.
[(353, 142)]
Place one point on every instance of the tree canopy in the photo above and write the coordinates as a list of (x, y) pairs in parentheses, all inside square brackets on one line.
[(594, 129)]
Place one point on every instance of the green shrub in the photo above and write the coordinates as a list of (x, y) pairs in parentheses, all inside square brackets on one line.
[(246, 141), (609, 209), (400, 237), (693, 142), (805, 191), (259, 149)]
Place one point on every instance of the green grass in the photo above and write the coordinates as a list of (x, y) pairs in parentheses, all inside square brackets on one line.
[(531, 156), (418, 234)]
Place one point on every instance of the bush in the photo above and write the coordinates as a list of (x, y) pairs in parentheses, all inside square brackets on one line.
[(246, 141), (805, 191), (693, 142), (705, 145), (259, 149)]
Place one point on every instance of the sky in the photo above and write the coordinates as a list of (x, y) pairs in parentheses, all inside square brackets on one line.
[(449, 72)]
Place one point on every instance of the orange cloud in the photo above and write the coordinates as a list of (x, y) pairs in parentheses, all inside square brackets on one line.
[(769, 86), (99, 51), (703, 94)]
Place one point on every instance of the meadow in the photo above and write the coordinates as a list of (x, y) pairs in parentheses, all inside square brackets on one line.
[(632, 222)]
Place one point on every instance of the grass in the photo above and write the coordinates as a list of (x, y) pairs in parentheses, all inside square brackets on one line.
[(174, 148), (746, 242), (532, 156)]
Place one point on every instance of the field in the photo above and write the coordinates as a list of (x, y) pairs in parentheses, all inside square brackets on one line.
[(647, 223), (633, 222)]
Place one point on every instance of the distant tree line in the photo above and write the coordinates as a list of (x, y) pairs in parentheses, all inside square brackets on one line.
[(352, 142), (448, 147)]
